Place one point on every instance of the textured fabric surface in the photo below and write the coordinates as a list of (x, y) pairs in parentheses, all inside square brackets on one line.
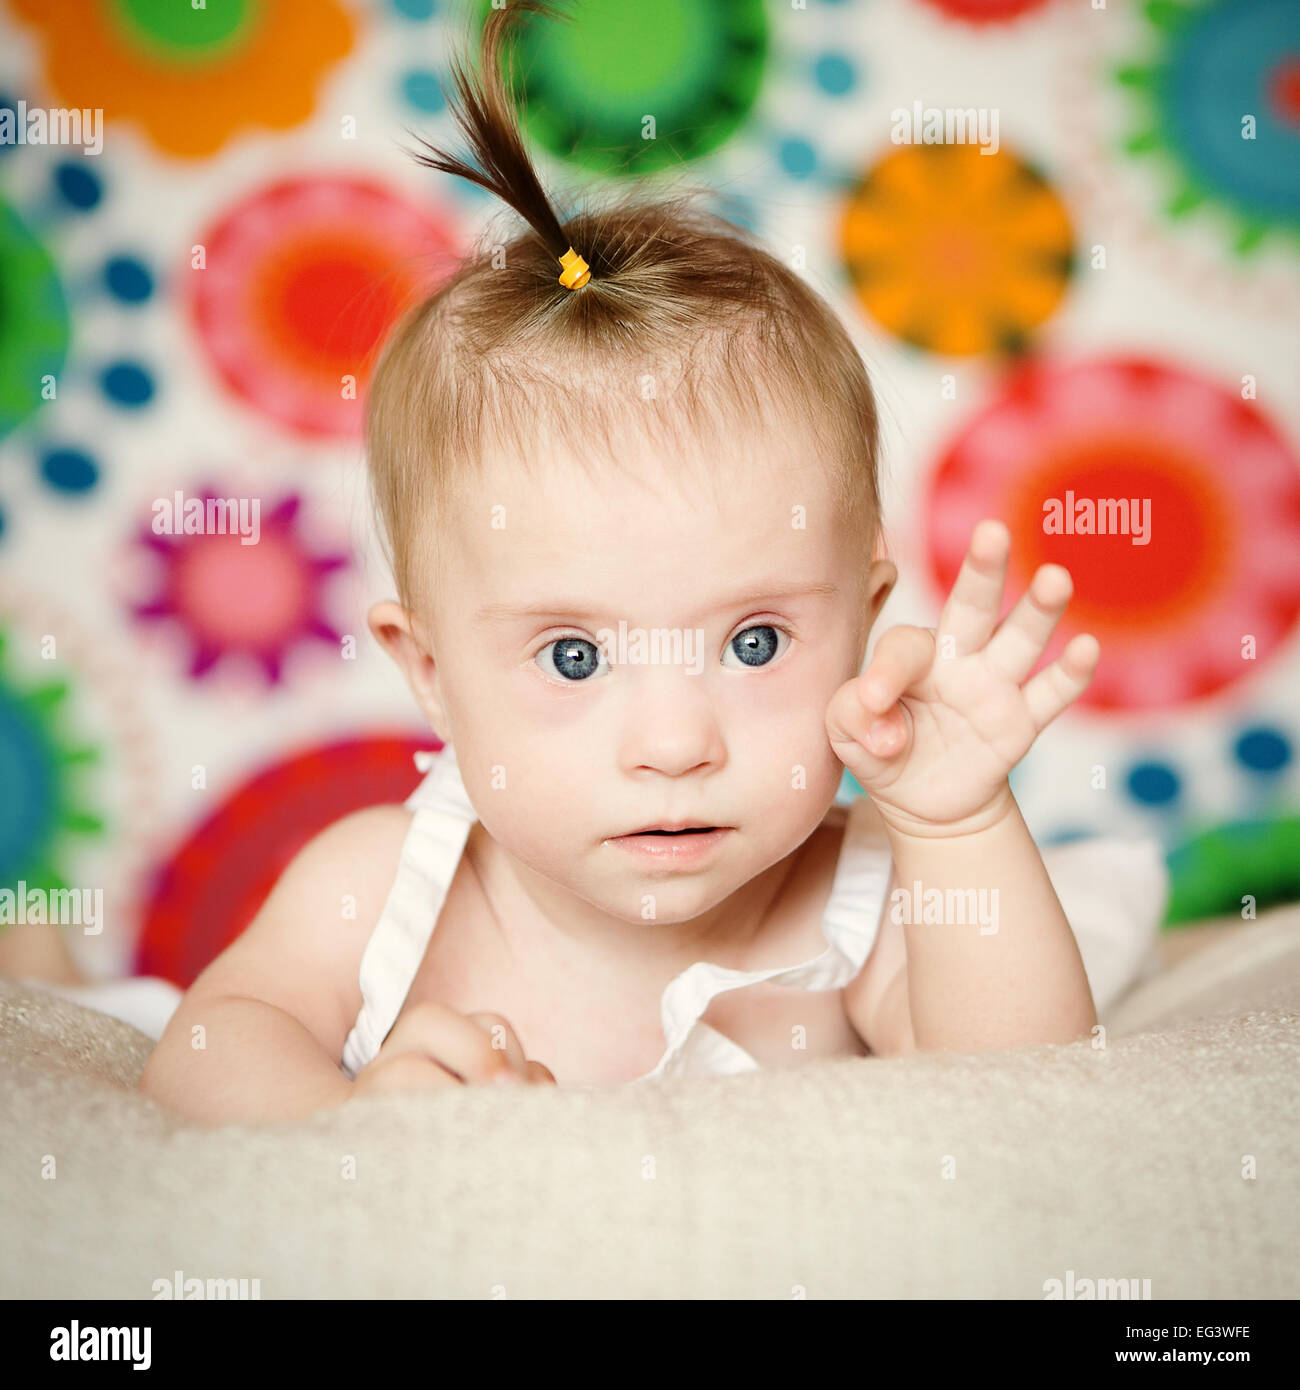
[(949, 1175)]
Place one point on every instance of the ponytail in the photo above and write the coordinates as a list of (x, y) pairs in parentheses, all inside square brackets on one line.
[(488, 119)]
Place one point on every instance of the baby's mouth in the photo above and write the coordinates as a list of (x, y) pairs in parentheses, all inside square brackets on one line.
[(674, 828), (674, 845)]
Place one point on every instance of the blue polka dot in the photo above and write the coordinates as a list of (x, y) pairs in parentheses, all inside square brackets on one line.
[(415, 9), (3, 523), (798, 158), (420, 88), (128, 279), (1155, 784), (77, 186), (127, 384), (1263, 749), (834, 74), (69, 470)]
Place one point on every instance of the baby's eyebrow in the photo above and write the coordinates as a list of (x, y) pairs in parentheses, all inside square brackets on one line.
[(579, 609)]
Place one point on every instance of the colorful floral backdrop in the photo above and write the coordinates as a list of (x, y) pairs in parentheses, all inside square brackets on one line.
[(1107, 303)]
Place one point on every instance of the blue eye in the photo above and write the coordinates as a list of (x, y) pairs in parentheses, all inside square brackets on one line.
[(573, 658), (756, 646)]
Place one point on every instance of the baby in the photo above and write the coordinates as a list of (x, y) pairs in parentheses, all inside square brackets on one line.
[(625, 468)]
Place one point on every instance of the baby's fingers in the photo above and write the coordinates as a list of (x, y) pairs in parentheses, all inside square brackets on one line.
[(504, 1037), (503, 1040), (971, 612), (455, 1042), (1015, 647), (1059, 685), (902, 657), (866, 742), (409, 1071), (866, 723)]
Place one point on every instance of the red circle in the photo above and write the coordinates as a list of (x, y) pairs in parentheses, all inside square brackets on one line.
[(1115, 582), (301, 281), (1214, 588), (328, 305)]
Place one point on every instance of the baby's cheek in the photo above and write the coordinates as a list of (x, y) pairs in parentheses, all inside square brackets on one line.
[(551, 706), (529, 801), (785, 734), (807, 770)]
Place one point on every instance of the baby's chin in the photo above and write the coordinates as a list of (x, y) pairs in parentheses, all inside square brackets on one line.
[(640, 896), (663, 898), (666, 904)]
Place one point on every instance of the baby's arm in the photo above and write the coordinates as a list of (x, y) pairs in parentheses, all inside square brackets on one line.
[(970, 987), (258, 1036), (931, 730), (876, 1001)]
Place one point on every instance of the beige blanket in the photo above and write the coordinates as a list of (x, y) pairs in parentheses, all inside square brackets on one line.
[(1170, 1154)]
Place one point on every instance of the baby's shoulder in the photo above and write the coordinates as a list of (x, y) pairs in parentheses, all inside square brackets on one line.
[(349, 868), (345, 871), (302, 951), (352, 861), (369, 836)]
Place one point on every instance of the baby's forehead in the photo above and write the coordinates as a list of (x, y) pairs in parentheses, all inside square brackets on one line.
[(714, 418), (752, 466), (584, 538)]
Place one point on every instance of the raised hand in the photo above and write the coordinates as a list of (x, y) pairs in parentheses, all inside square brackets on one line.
[(936, 722)]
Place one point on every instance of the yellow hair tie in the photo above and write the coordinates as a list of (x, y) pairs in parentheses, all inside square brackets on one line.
[(576, 270)]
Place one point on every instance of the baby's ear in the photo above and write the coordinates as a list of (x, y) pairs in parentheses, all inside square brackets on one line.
[(881, 578), (399, 633)]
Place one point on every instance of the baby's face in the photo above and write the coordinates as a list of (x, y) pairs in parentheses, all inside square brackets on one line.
[(623, 650)]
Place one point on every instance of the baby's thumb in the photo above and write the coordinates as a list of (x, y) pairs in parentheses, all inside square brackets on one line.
[(867, 743)]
